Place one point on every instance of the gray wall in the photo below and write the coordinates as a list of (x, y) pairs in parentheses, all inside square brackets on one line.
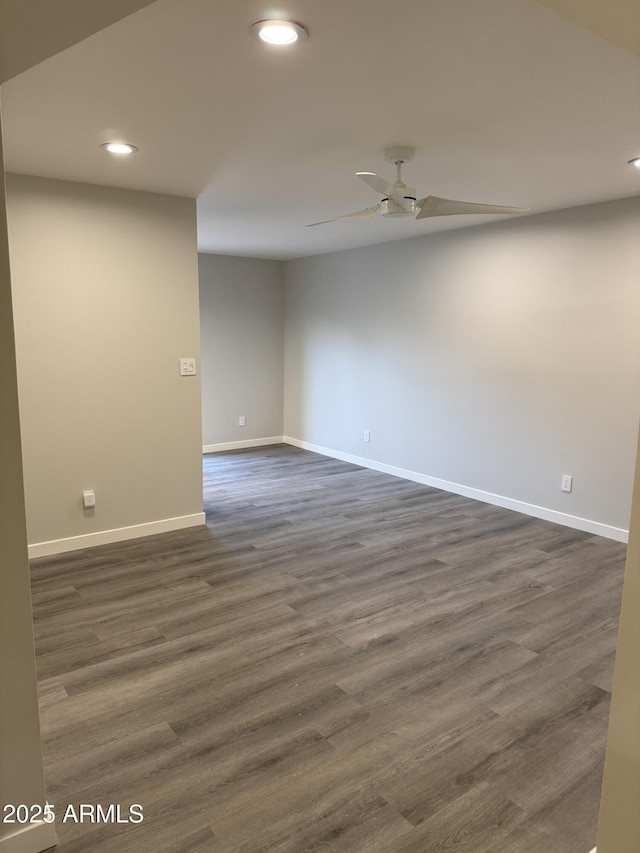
[(241, 317), (497, 357), (105, 290)]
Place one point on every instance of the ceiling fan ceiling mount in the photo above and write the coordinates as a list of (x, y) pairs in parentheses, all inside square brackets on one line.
[(399, 154)]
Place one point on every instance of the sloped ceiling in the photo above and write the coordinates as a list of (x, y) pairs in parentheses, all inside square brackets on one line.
[(506, 102), (617, 22), (34, 30)]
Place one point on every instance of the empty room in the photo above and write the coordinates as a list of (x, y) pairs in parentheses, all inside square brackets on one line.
[(320, 409)]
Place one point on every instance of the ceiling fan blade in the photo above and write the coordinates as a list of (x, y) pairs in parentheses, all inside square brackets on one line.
[(433, 205), (396, 194), (367, 213), (375, 182)]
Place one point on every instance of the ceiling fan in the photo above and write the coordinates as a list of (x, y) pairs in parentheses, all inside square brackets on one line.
[(400, 200)]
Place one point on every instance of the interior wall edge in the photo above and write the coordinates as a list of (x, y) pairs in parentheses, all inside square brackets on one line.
[(119, 534), (21, 767), (586, 525), (30, 839)]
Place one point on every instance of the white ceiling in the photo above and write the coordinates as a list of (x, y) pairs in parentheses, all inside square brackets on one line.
[(506, 102)]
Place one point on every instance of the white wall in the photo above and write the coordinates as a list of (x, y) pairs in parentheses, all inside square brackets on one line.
[(105, 291), (241, 316), (496, 357)]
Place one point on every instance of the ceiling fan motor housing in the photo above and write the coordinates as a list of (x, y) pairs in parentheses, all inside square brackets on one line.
[(389, 207)]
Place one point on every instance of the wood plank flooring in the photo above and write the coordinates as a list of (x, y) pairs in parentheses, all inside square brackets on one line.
[(340, 661)]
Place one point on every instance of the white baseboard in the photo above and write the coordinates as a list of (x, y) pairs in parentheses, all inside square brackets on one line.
[(119, 534), (585, 524), (237, 445), (29, 839)]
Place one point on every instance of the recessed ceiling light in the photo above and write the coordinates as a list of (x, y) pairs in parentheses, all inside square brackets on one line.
[(279, 32), (119, 148), (635, 162)]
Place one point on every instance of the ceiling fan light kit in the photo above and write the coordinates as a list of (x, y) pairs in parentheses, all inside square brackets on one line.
[(399, 200), (389, 207)]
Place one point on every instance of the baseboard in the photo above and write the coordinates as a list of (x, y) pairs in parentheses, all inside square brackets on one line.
[(119, 534), (585, 524), (238, 445), (29, 839)]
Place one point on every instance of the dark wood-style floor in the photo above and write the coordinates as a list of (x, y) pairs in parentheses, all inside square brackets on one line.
[(340, 661)]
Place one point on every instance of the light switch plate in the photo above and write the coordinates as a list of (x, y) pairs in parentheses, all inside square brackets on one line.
[(187, 367)]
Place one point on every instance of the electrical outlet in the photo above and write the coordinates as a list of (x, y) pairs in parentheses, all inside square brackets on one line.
[(242, 421), (367, 435), (88, 499), (567, 483)]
